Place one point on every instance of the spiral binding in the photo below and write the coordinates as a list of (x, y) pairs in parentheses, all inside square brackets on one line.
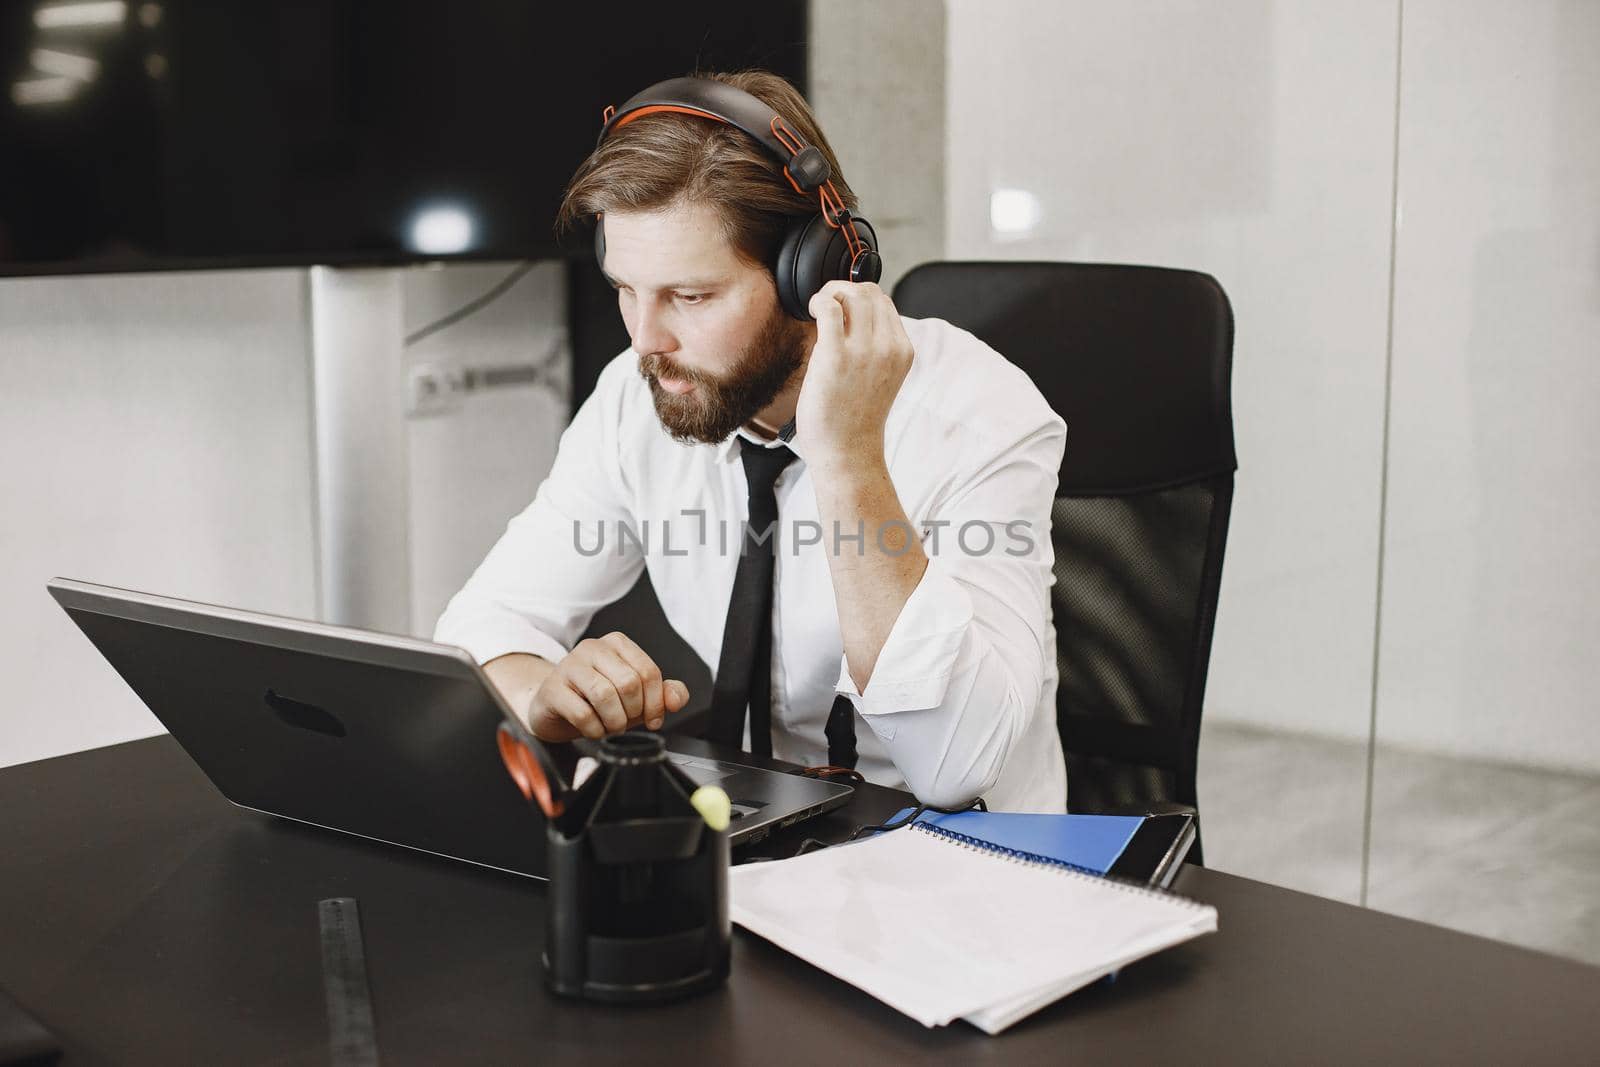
[(1033, 859)]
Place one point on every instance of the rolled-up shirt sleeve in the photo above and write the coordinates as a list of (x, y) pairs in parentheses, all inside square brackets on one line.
[(960, 677), (563, 557)]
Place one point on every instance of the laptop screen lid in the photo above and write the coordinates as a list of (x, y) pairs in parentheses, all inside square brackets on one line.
[(387, 737)]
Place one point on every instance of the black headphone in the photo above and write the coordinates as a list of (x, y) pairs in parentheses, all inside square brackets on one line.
[(818, 248)]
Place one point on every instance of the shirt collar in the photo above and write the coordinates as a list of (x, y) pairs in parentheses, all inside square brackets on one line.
[(728, 447)]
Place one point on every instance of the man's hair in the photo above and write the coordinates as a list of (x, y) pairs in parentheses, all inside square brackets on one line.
[(660, 161)]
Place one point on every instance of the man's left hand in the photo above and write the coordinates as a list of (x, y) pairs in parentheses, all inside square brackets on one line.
[(861, 358)]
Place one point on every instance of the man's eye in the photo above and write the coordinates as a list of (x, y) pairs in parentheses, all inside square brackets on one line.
[(691, 298)]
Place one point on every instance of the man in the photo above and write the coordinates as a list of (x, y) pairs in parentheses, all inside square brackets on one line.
[(908, 601)]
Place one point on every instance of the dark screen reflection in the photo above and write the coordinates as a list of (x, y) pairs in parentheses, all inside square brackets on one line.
[(173, 133)]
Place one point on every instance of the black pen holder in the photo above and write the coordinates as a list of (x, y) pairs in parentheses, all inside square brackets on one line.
[(638, 883)]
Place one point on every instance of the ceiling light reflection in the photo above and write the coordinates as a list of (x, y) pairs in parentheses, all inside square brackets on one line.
[(43, 91), (64, 64), (94, 13), (442, 230), (1014, 212)]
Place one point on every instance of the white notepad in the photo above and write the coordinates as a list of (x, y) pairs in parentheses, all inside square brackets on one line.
[(941, 929)]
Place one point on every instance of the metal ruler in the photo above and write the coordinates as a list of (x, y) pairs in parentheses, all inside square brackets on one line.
[(353, 1036)]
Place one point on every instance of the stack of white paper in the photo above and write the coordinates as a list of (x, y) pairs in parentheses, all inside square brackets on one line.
[(941, 930)]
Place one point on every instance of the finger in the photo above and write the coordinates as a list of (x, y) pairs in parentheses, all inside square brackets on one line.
[(676, 694), (591, 685), (548, 724), (624, 678), (836, 288), (645, 668), (860, 303), (861, 313), (826, 307), (572, 709), (885, 316)]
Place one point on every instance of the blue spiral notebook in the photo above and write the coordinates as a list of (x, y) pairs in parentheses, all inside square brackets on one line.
[(1098, 844)]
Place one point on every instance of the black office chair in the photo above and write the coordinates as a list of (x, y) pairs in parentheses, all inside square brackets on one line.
[(1137, 361)]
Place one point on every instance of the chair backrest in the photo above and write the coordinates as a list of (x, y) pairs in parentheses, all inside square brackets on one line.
[(1137, 360)]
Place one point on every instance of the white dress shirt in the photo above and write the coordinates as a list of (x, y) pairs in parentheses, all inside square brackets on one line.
[(961, 699)]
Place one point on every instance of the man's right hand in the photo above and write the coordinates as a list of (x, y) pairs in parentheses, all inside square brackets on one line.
[(603, 686)]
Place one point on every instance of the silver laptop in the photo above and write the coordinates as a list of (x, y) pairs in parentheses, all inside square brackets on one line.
[(390, 738)]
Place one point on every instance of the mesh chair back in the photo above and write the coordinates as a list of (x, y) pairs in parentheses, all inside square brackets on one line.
[(1137, 360)]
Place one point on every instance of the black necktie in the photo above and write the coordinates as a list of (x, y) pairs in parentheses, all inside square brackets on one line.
[(841, 733), (744, 670)]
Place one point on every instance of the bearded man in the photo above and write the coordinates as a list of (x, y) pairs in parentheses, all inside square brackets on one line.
[(874, 590)]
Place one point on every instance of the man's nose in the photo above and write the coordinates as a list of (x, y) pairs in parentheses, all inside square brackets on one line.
[(650, 334)]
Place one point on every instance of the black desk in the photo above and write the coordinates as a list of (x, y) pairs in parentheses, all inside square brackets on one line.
[(146, 920)]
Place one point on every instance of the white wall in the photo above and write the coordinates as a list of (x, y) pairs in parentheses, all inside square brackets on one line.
[(1491, 616), (1251, 141), (1256, 140), (877, 86), (477, 464), (154, 433)]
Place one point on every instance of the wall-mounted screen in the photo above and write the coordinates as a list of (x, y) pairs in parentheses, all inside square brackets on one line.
[(161, 134)]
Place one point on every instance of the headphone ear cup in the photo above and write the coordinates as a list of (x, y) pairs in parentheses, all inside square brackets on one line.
[(791, 293), (600, 240), (813, 255)]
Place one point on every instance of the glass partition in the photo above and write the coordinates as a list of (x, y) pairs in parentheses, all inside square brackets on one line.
[(1487, 772), (1250, 141), (1398, 197)]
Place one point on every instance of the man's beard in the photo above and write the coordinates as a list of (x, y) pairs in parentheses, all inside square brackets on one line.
[(718, 406)]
